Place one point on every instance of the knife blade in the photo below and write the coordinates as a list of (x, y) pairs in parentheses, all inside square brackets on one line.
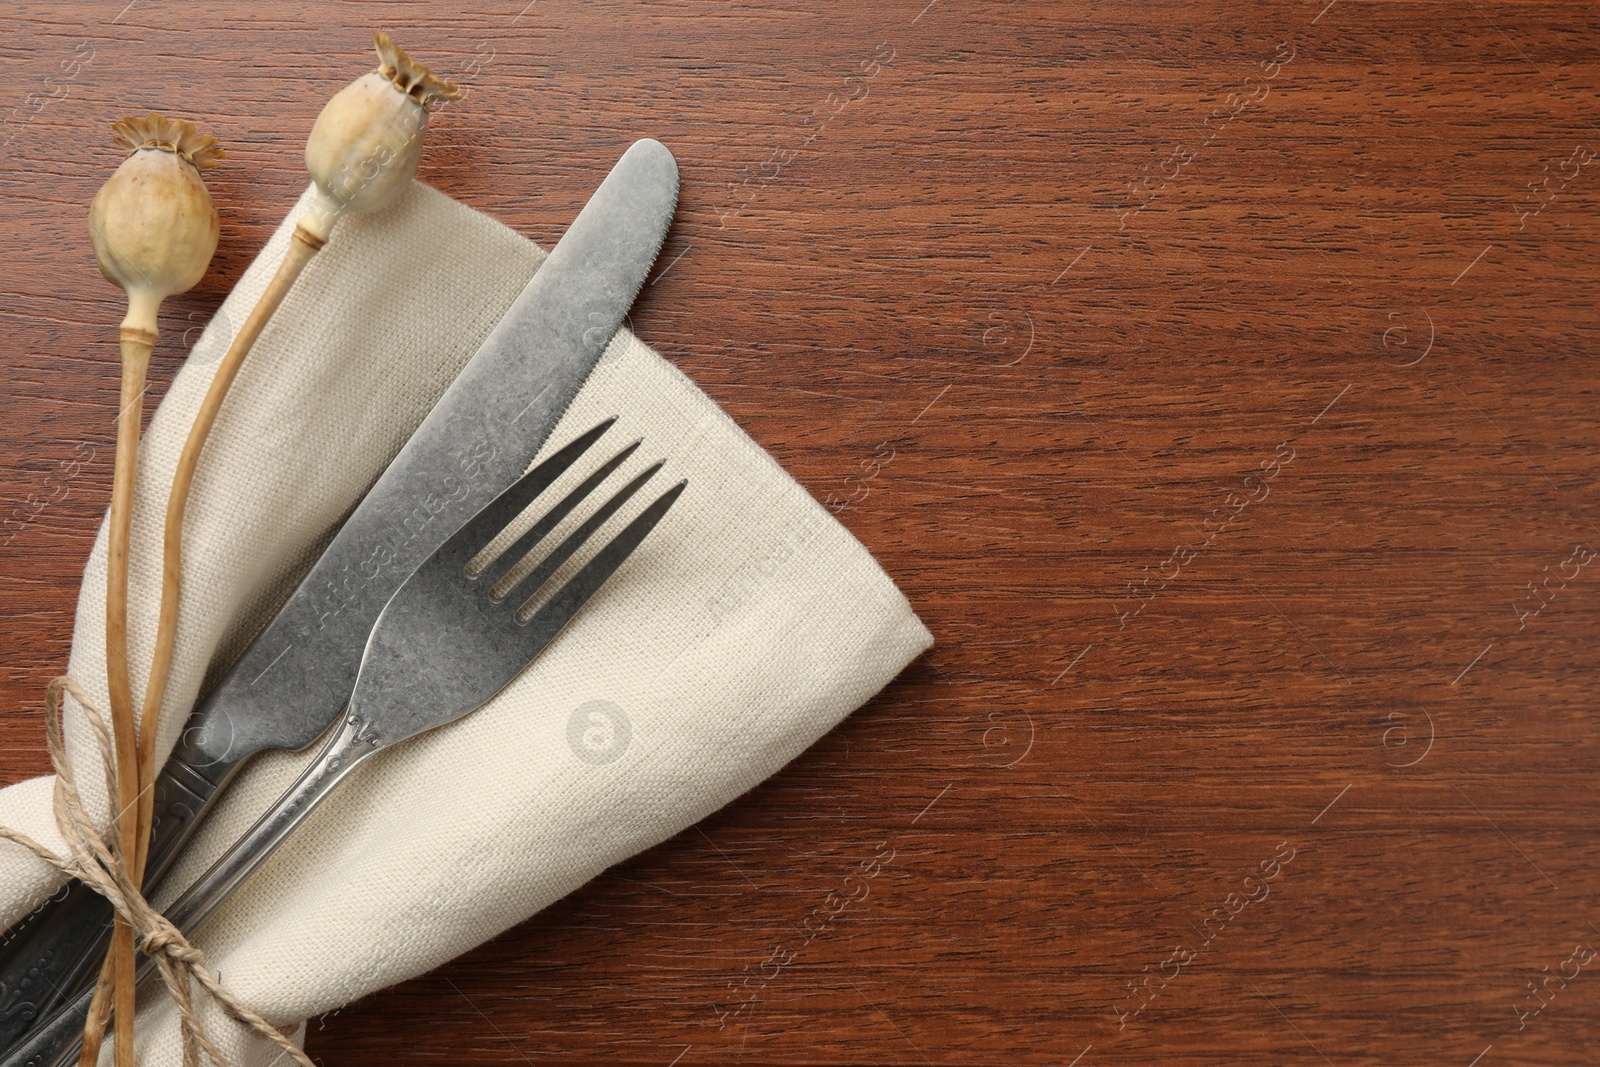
[(483, 432)]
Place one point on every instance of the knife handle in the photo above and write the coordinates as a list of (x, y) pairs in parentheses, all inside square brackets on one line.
[(55, 1042), (52, 1042), (57, 949)]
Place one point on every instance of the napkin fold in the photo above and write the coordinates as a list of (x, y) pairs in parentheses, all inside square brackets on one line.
[(748, 624)]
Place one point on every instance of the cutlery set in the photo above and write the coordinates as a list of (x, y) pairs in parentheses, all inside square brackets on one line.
[(404, 623)]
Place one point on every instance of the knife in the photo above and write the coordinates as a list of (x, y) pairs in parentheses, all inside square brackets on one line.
[(482, 434)]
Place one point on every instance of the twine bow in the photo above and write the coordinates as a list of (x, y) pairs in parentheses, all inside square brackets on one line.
[(99, 865)]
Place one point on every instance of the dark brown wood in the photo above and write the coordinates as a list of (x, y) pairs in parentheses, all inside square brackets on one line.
[(1034, 293)]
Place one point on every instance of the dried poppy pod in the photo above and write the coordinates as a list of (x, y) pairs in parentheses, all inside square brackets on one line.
[(365, 145), (154, 230), (153, 225)]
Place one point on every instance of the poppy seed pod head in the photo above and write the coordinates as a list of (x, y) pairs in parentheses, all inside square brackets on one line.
[(153, 225), (366, 143)]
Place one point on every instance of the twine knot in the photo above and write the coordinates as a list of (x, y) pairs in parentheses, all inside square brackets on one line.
[(167, 940), (97, 861)]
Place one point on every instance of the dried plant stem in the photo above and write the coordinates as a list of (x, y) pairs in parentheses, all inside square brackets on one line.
[(302, 247), (94, 1028), (136, 344)]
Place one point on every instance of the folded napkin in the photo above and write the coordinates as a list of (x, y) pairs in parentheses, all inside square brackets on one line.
[(745, 627)]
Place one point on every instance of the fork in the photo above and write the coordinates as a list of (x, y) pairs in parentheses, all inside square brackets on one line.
[(451, 638)]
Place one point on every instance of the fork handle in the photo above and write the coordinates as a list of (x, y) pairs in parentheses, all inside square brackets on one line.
[(56, 1041), (352, 741)]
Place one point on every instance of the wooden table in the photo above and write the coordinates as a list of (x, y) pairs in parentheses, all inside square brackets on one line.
[(1217, 380)]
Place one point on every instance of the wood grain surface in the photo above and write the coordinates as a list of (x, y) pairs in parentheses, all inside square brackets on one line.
[(1218, 381)]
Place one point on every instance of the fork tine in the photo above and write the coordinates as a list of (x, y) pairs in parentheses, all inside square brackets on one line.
[(552, 618), (507, 561), (536, 578), (479, 530)]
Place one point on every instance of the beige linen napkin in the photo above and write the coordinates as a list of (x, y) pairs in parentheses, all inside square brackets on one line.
[(747, 626)]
